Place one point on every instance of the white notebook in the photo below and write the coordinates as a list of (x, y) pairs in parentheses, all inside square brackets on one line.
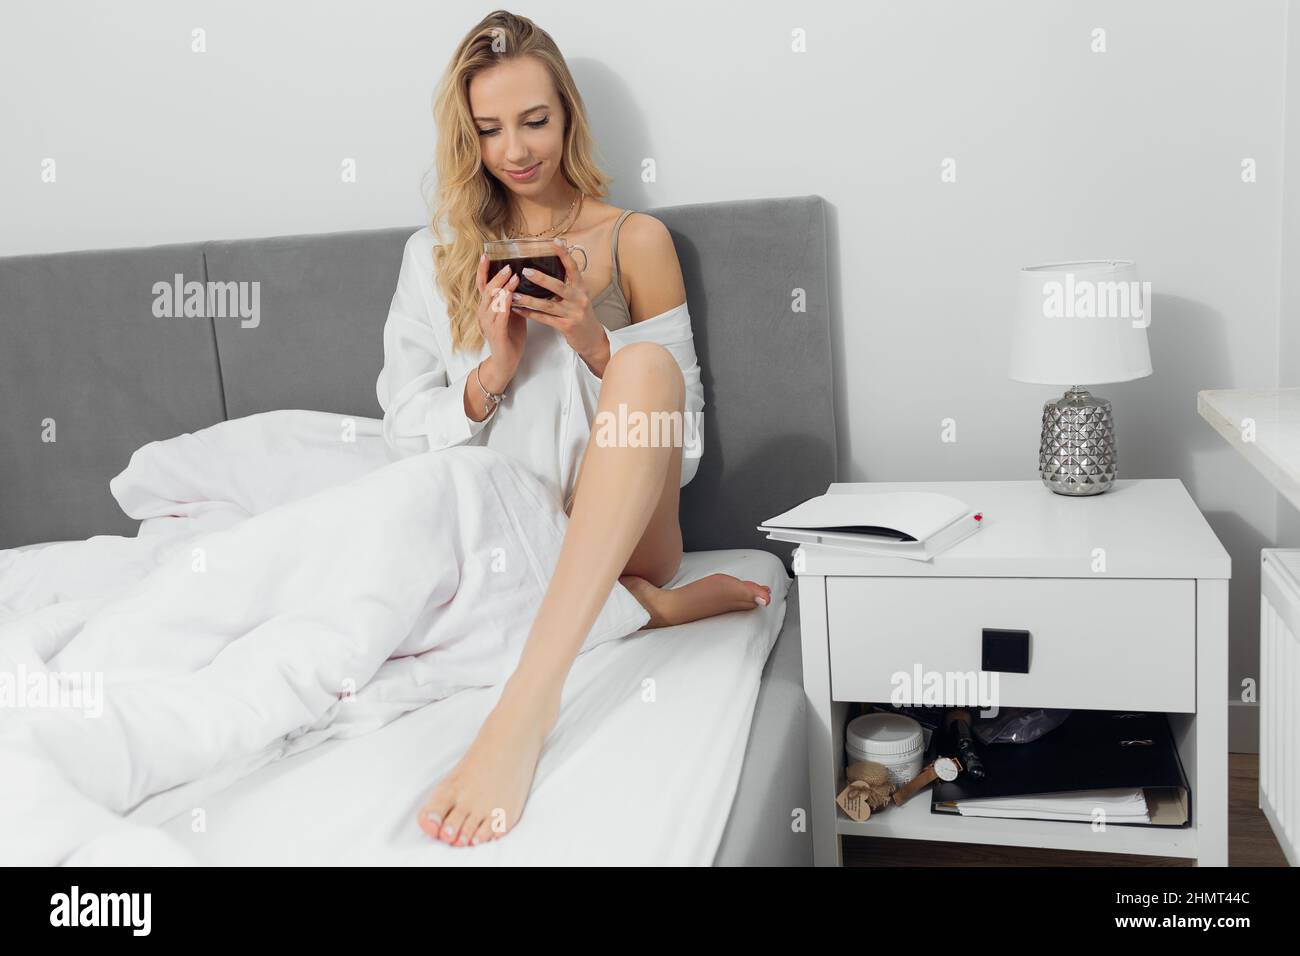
[(908, 524)]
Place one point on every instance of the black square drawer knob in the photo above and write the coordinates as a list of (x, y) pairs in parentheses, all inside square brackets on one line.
[(1005, 650)]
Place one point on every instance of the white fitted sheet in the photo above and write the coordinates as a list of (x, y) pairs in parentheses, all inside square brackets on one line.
[(641, 768)]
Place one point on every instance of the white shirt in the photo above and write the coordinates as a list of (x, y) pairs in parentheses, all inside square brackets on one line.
[(546, 417)]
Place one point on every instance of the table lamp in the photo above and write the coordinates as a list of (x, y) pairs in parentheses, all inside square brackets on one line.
[(1080, 322)]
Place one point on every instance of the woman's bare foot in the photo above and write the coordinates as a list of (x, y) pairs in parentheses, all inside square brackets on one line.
[(483, 796), (715, 594)]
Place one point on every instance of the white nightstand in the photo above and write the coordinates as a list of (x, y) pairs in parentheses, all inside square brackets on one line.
[(1125, 596)]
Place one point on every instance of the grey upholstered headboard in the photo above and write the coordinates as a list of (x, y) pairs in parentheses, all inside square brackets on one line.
[(84, 360)]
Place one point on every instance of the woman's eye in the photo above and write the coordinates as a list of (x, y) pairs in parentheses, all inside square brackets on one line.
[(536, 124)]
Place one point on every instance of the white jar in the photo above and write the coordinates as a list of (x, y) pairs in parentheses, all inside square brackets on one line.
[(894, 741)]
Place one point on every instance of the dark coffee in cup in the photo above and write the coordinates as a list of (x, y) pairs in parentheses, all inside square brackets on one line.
[(550, 265), (536, 254)]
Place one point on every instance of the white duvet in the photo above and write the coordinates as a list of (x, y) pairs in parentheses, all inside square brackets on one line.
[(642, 766), (289, 584)]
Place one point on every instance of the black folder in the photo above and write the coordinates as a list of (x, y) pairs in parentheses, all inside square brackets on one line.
[(1091, 750)]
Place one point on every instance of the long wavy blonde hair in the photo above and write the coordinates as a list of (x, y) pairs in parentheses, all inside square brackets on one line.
[(473, 205)]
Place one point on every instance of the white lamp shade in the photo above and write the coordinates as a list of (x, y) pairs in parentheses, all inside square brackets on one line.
[(1080, 323)]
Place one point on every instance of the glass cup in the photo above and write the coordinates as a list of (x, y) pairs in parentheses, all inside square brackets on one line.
[(536, 254)]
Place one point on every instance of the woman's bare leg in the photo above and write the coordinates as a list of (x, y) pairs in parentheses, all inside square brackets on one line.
[(620, 486), (623, 527), (658, 555)]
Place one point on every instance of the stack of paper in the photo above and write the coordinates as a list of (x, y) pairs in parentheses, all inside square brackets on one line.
[(1109, 806)]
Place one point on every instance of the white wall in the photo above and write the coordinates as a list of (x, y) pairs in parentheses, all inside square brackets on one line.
[(1288, 350), (1061, 153)]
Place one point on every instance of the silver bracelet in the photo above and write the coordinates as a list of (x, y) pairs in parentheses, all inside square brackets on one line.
[(492, 400)]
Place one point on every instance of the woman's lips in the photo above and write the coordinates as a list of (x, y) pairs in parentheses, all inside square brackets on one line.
[(527, 174)]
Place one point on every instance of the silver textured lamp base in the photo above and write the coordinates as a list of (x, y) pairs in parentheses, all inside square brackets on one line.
[(1077, 453)]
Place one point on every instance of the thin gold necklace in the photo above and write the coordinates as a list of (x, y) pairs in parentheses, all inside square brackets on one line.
[(570, 216)]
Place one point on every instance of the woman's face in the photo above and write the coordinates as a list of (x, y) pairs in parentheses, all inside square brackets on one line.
[(520, 122)]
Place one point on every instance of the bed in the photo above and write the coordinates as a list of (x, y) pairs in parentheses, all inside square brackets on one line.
[(114, 375)]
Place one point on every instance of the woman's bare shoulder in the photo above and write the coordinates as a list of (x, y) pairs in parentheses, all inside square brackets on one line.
[(648, 259)]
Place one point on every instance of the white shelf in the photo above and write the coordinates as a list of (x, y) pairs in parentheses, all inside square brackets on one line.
[(1275, 450), (914, 821)]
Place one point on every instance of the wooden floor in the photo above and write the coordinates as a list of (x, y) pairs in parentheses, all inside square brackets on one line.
[(1250, 840)]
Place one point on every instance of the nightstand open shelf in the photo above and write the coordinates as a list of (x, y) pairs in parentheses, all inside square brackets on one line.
[(914, 821), (1124, 596)]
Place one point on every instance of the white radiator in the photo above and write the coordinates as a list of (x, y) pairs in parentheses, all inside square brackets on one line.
[(1279, 690)]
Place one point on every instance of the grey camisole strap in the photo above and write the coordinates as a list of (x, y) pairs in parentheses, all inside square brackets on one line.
[(611, 305), (613, 244)]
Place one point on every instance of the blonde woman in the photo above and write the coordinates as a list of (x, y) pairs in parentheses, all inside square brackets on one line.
[(469, 360)]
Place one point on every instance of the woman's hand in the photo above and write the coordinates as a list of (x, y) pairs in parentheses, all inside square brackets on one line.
[(505, 333), (504, 330), (570, 312)]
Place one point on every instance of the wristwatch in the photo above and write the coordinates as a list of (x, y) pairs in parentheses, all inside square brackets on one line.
[(944, 768)]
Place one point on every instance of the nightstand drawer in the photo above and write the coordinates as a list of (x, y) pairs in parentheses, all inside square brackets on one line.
[(1101, 644)]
